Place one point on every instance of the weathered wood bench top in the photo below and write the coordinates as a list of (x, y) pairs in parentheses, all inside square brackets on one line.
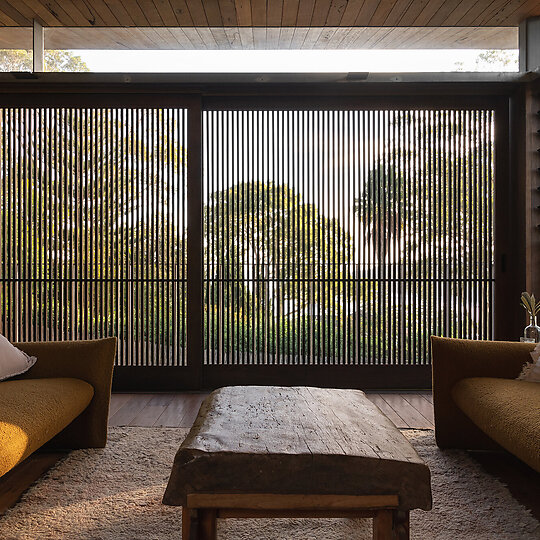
[(300, 440)]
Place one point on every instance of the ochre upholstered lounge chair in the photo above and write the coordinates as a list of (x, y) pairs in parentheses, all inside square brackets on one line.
[(62, 401)]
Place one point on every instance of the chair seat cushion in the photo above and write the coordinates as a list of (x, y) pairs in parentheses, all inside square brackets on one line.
[(505, 409), (33, 411)]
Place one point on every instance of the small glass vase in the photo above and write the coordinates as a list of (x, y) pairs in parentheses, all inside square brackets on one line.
[(532, 332)]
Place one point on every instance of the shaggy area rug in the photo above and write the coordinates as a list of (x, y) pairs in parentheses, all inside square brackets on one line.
[(115, 494)]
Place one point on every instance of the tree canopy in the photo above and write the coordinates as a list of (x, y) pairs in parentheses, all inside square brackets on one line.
[(55, 60)]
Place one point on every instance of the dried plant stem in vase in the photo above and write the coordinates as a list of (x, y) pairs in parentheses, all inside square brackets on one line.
[(531, 332)]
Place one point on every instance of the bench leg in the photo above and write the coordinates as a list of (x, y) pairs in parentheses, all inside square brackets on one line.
[(198, 524), (391, 525), (206, 524), (401, 524), (186, 523), (382, 525)]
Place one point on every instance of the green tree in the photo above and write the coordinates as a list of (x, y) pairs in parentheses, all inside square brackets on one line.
[(381, 209), (424, 209), (493, 60), (91, 186), (55, 60), (265, 234)]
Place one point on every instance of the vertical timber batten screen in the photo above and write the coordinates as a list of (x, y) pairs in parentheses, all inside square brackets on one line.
[(93, 220), (346, 237)]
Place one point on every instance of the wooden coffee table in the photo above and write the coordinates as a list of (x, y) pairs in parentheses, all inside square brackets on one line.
[(268, 451)]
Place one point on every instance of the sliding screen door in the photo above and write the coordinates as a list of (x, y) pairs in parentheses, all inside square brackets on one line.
[(93, 220), (345, 237)]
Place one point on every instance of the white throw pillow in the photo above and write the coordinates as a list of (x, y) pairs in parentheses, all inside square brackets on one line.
[(13, 361), (531, 370)]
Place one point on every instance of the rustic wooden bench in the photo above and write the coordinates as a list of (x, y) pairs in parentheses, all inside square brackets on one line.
[(267, 451)]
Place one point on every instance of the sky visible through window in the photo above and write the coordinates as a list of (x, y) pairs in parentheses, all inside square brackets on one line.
[(299, 61)]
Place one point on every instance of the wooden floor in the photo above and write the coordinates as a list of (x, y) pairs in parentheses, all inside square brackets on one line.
[(405, 409)]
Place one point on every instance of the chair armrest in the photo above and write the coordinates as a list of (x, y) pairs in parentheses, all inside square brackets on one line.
[(91, 361), (456, 359)]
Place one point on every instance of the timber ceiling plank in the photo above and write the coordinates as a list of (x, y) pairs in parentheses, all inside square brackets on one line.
[(325, 38), (7, 21), (401, 36), (271, 13), (228, 14), (44, 15), (419, 36), (136, 13), (305, 12), (60, 13), (285, 37), (213, 14), (338, 37), (30, 13), (371, 35), (299, 37), (351, 13), (120, 13), (161, 39), (335, 13), (443, 13), (150, 11), (196, 10), (397, 12), (348, 37), (311, 38), (530, 9), (233, 35), (166, 38), (496, 16), (461, 11), (89, 13), (220, 37), (258, 13), (13, 17), (274, 12), (149, 37), (243, 13), (75, 13), (290, 12), (264, 38), (320, 12), (194, 37), (272, 37), (477, 14), (366, 12), (259, 37), (427, 12), (15, 37), (246, 36), (413, 11), (166, 12), (396, 37), (105, 14), (381, 13), (181, 13)]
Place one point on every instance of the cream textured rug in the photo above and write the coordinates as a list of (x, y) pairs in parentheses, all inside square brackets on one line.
[(115, 494)]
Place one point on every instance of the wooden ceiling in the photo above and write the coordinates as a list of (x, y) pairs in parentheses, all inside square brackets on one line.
[(267, 13), (265, 38)]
